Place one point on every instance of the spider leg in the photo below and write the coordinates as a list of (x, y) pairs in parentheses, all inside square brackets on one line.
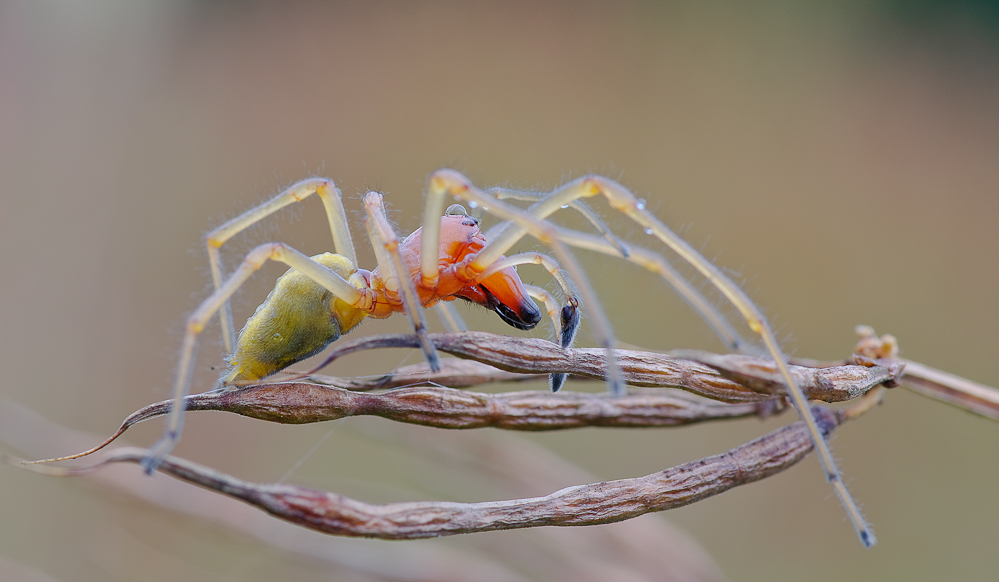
[(360, 298), (578, 205), (395, 273), (565, 321), (330, 196), (444, 182), (624, 201), (613, 246), (531, 258), (449, 316), (655, 263), (647, 259), (551, 305)]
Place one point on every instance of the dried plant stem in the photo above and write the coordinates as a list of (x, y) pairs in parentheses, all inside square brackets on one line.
[(731, 378), (454, 373), (952, 389), (759, 390), (728, 378), (437, 406), (754, 384), (582, 505)]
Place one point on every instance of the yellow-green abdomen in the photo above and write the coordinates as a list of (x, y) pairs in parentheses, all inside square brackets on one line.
[(297, 320)]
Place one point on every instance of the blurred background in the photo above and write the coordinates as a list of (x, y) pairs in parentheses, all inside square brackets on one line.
[(840, 160)]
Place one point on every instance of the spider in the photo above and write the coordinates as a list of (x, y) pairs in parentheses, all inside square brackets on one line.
[(322, 297)]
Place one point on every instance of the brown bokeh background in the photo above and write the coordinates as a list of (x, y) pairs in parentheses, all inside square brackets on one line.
[(841, 160)]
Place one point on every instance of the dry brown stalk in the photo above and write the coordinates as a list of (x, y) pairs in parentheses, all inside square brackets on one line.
[(750, 380), (437, 406), (440, 407), (952, 389), (454, 373), (757, 394), (727, 378), (591, 504), (508, 464)]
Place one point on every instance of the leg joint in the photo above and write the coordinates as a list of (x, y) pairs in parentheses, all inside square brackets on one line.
[(194, 325), (448, 180)]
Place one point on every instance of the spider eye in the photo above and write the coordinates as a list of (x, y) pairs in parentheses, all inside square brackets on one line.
[(455, 210)]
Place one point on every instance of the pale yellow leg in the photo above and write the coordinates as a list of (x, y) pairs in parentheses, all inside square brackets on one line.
[(450, 182), (361, 298), (395, 273), (449, 316), (657, 264), (565, 340), (556, 379), (330, 196), (551, 306), (578, 205), (531, 258), (613, 246)]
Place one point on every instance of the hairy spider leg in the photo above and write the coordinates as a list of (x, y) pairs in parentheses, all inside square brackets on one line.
[(565, 322), (445, 182), (583, 208), (569, 314), (330, 196), (352, 297), (395, 274), (621, 199), (613, 246), (655, 263), (552, 307), (450, 317), (531, 258)]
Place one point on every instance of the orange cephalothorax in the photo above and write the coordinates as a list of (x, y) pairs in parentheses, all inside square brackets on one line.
[(460, 238)]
